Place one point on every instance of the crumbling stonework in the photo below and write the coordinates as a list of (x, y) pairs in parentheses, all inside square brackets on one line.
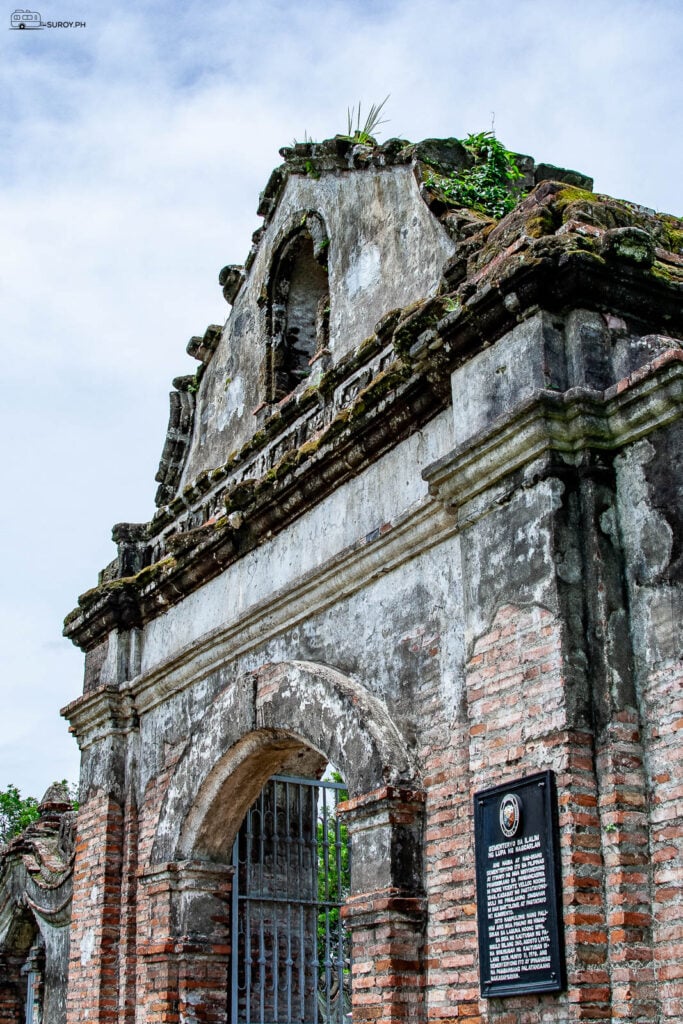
[(36, 870), (418, 519)]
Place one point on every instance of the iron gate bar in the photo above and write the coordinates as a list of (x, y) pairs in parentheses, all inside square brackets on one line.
[(277, 975)]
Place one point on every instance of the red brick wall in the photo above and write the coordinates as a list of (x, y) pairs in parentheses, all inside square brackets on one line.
[(95, 927), (184, 975), (663, 728), (513, 721), (620, 801), (386, 921), (128, 938)]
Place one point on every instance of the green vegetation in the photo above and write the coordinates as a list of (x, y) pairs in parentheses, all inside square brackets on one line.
[(364, 134), (193, 386), (334, 880), (487, 185), (17, 812)]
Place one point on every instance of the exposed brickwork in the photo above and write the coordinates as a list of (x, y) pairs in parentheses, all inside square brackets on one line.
[(96, 913), (502, 738), (387, 939), (450, 956), (387, 924), (628, 877), (127, 942), (185, 973), (11, 988), (663, 703)]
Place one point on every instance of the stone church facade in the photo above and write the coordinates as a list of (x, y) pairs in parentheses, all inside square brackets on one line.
[(419, 521)]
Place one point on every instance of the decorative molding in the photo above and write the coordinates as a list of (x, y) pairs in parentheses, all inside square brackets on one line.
[(338, 578), (107, 711), (569, 423)]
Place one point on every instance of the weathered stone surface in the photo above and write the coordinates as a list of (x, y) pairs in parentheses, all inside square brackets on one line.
[(548, 172), (36, 883), (423, 524)]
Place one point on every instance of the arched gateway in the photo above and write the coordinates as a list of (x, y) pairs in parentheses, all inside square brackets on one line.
[(263, 744)]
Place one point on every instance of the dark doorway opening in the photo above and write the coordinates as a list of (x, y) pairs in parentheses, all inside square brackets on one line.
[(291, 860)]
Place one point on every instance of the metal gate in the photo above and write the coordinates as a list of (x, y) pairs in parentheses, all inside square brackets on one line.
[(291, 955)]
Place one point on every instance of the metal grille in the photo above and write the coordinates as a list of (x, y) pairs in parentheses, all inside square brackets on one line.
[(292, 869)]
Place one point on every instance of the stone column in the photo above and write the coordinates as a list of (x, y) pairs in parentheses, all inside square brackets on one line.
[(386, 910), (184, 943)]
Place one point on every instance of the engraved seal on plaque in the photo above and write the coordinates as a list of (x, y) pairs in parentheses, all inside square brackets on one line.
[(509, 815)]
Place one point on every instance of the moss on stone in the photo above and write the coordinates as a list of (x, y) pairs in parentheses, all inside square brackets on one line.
[(310, 447), (667, 273), (540, 223), (569, 194), (672, 229), (338, 424), (152, 572), (375, 391), (367, 347), (419, 317)]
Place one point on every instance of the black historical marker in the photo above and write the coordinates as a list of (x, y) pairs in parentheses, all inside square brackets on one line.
[(519, 912)]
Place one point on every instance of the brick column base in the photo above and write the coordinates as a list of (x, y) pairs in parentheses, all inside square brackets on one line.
[(386, 912), (184, 915)]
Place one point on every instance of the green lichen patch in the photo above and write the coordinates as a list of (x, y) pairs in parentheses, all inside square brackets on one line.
[(631, 244), (418, 318), (377, 389), (541, 222), (151, 573), (673, 232)]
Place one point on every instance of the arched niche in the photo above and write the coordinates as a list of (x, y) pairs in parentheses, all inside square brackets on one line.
[(298, 304), (22, 964)]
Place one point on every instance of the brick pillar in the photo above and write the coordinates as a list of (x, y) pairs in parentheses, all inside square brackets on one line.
[(663, 728), (12, 988), (93, 957), (184, 927), (622, 789), (127, 941), (625, 841), (386, 911)]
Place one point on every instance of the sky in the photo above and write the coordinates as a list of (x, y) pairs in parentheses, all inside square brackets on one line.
[(132, 152)]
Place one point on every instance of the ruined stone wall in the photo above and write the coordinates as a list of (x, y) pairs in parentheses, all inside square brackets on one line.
[(36, 882), (385, 256), (451, 562)]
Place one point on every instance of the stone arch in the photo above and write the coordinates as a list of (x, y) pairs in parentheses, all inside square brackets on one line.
[(257, 725)]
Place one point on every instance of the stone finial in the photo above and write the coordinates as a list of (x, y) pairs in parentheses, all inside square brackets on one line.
[(56, 800), (203, 348), (231, 279)]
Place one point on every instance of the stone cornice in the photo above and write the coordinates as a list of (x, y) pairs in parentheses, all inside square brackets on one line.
[(554, 272), (274, 503), (100, 713), (569, 423), (340, 577)]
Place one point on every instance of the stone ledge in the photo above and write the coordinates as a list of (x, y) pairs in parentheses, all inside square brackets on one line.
[(569, 423)]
